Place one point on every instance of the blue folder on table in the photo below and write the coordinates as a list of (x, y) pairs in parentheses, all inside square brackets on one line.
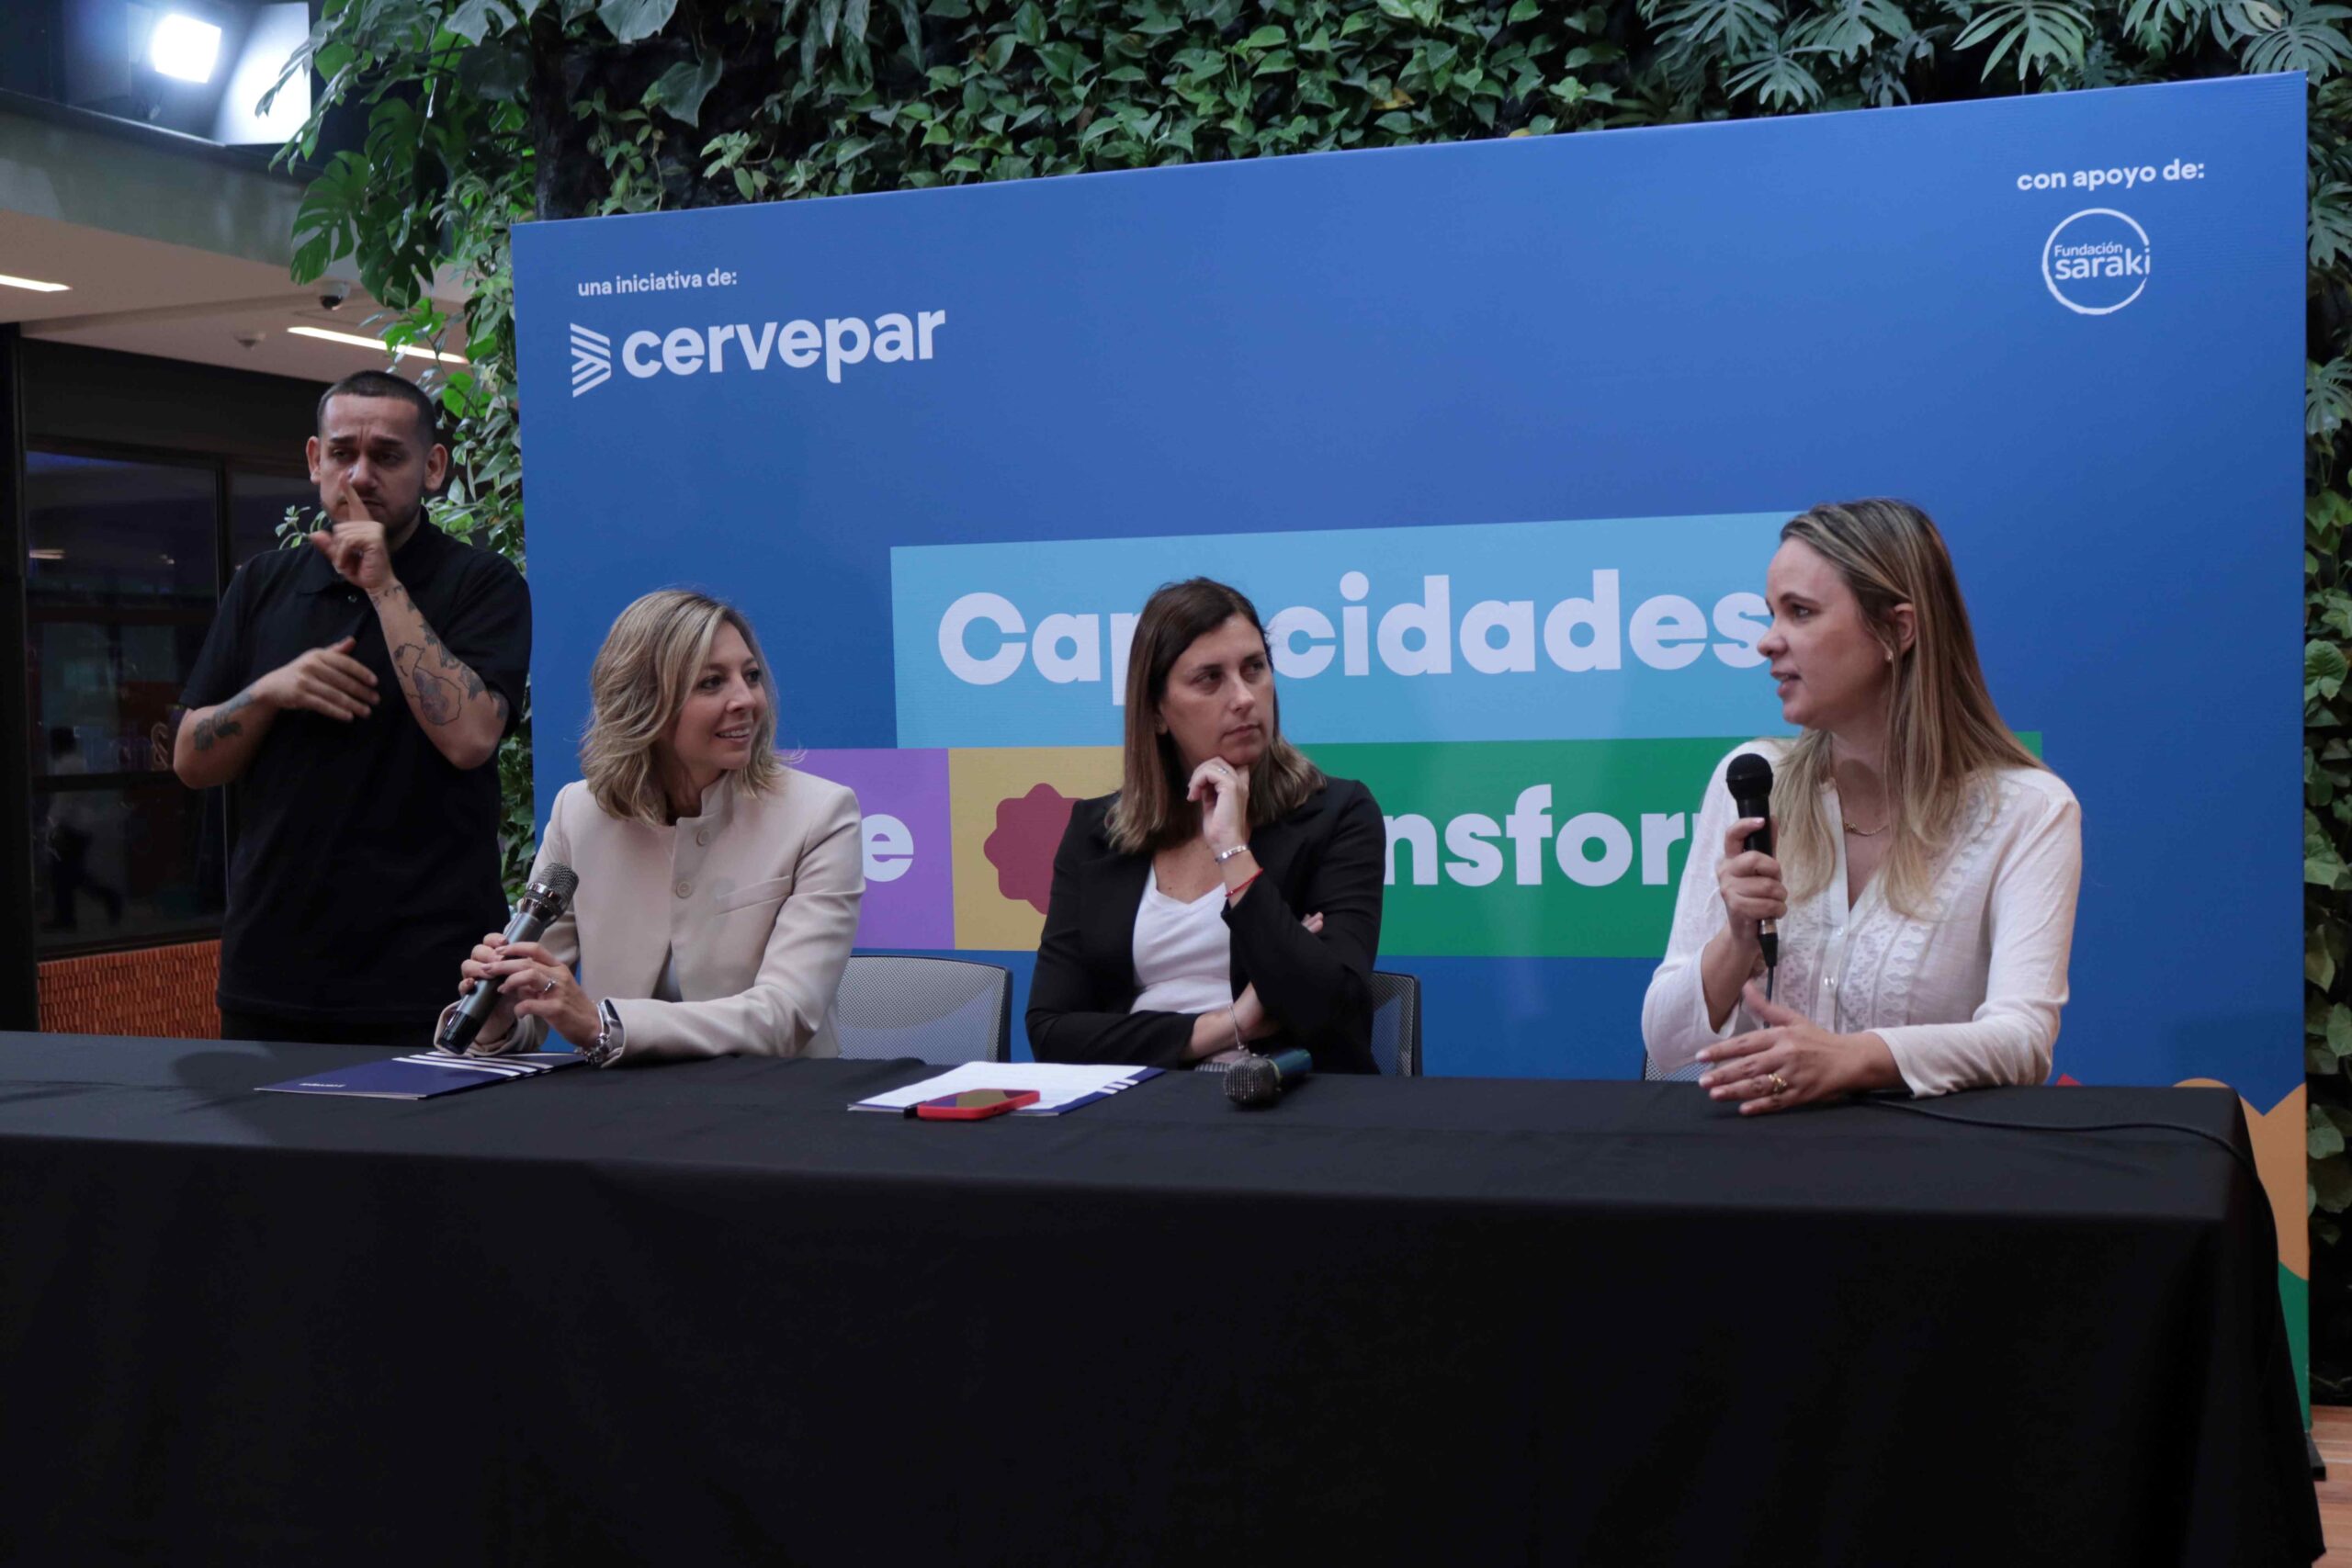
[(425, 1075)]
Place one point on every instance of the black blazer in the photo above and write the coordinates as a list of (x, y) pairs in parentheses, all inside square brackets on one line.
[(1327, 857)]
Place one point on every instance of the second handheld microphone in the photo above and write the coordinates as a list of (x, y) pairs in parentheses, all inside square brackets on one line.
[(1750, 779), (1262, 1080)]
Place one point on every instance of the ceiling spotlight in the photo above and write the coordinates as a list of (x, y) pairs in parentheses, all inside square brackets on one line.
[(34, 284), (184, 48), (406, 351)]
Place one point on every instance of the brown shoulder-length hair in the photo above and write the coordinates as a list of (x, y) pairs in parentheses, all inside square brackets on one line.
[(638, 685), (1151, 812), (1942, 731)]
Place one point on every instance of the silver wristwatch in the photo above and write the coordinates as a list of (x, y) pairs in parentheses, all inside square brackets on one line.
[(607, 1048)]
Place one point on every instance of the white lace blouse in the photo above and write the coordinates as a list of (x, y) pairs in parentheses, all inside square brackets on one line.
[(1966, 994)]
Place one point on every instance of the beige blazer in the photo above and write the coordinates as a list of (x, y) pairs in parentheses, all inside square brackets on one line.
[(757, 898)]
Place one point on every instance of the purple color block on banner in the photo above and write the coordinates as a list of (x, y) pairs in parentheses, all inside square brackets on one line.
[(910, 878)]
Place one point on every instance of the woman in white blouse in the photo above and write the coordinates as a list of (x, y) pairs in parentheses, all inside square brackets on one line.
[(1925, 864)]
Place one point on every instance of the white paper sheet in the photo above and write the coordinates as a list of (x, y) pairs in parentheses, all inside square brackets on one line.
[(1060, 1085)]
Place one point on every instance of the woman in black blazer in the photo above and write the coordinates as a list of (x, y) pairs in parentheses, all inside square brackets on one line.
[(1137, 964)]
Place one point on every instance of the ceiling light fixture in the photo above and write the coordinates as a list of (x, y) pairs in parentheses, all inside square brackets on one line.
[(406, 351), (36, 285), (46, 554), (184, 49)]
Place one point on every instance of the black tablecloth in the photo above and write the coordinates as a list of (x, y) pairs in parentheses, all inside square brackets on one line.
[(703, 1314)]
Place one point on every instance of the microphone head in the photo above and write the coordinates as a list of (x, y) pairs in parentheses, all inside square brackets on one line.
[(556, 889), (1254, 1082), (1750, 776)]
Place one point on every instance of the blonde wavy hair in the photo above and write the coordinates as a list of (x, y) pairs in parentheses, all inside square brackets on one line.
[(1942, 731), (1151, 812), (638, 687)]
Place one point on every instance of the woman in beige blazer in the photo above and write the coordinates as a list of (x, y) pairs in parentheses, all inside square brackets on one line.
[(718, 889)]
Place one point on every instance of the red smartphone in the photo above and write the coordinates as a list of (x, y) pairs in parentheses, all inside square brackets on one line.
[(973, 1104)]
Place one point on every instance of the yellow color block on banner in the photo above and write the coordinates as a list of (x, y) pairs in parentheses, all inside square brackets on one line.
[(1009, 808)]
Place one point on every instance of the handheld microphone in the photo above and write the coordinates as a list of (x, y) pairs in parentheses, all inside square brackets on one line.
[(542, 904), (1262, 1080), (1750, 779)]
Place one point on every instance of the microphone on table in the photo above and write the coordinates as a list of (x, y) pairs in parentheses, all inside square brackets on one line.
[(542, 904), (1751, 779), (1262, 1080)]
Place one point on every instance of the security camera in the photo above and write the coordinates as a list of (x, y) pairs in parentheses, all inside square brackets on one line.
[(333, 295), (248, 341)]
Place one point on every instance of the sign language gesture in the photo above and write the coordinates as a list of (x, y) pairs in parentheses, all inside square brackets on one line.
[(325, 679), (1793, 1061), (356, 545)]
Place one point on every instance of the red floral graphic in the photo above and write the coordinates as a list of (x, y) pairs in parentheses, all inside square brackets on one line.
[(1028, 830)]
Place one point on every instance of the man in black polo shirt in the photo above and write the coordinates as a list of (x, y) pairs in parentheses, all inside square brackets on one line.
[(355, 689)]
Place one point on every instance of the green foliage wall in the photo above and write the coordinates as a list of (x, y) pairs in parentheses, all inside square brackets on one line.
[(483, 112)]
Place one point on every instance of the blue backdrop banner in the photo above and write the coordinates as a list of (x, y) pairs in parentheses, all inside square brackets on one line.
[(1498, 435)]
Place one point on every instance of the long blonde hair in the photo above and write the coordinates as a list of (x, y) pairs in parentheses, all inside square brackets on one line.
[(1151, 812), (638, 687), (1942, 731)]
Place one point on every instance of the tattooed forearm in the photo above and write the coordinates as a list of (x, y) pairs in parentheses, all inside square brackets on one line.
[(440, 686), (221, 721), (438, 699)]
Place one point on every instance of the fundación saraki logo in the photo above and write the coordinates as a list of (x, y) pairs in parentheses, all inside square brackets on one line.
[(2096, 262), (745, 346)]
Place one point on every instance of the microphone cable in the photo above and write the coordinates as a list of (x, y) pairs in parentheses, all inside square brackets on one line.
[(2244, 1161), (2274, 1324)]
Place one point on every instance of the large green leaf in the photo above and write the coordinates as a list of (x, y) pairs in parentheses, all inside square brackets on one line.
[(2323, 667), (1778, 79), (2042, 35), (497, 71), (2303, 37), (680, 91), (472, 19), (630, 20), (2327, 397), (1847, 29), (1731, 27), (2322, 1139)]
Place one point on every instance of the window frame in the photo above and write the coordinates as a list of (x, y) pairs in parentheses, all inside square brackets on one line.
[(41, 787)]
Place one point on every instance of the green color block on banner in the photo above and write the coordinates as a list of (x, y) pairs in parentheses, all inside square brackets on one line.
[(2295, 1299), (1531, 849)]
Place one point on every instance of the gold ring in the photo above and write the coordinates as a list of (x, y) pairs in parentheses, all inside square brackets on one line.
[(1779, 1085)]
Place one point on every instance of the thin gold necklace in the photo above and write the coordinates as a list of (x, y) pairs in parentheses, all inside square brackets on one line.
[(1866, 833)]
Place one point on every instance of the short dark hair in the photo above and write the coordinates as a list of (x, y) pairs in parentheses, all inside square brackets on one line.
[(384, 384)]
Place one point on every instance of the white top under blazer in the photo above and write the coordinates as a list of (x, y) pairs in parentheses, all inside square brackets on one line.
[(1183, 952), (1965, 994)]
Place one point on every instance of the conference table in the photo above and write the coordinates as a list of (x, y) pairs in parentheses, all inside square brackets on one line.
[(703, 1313)]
